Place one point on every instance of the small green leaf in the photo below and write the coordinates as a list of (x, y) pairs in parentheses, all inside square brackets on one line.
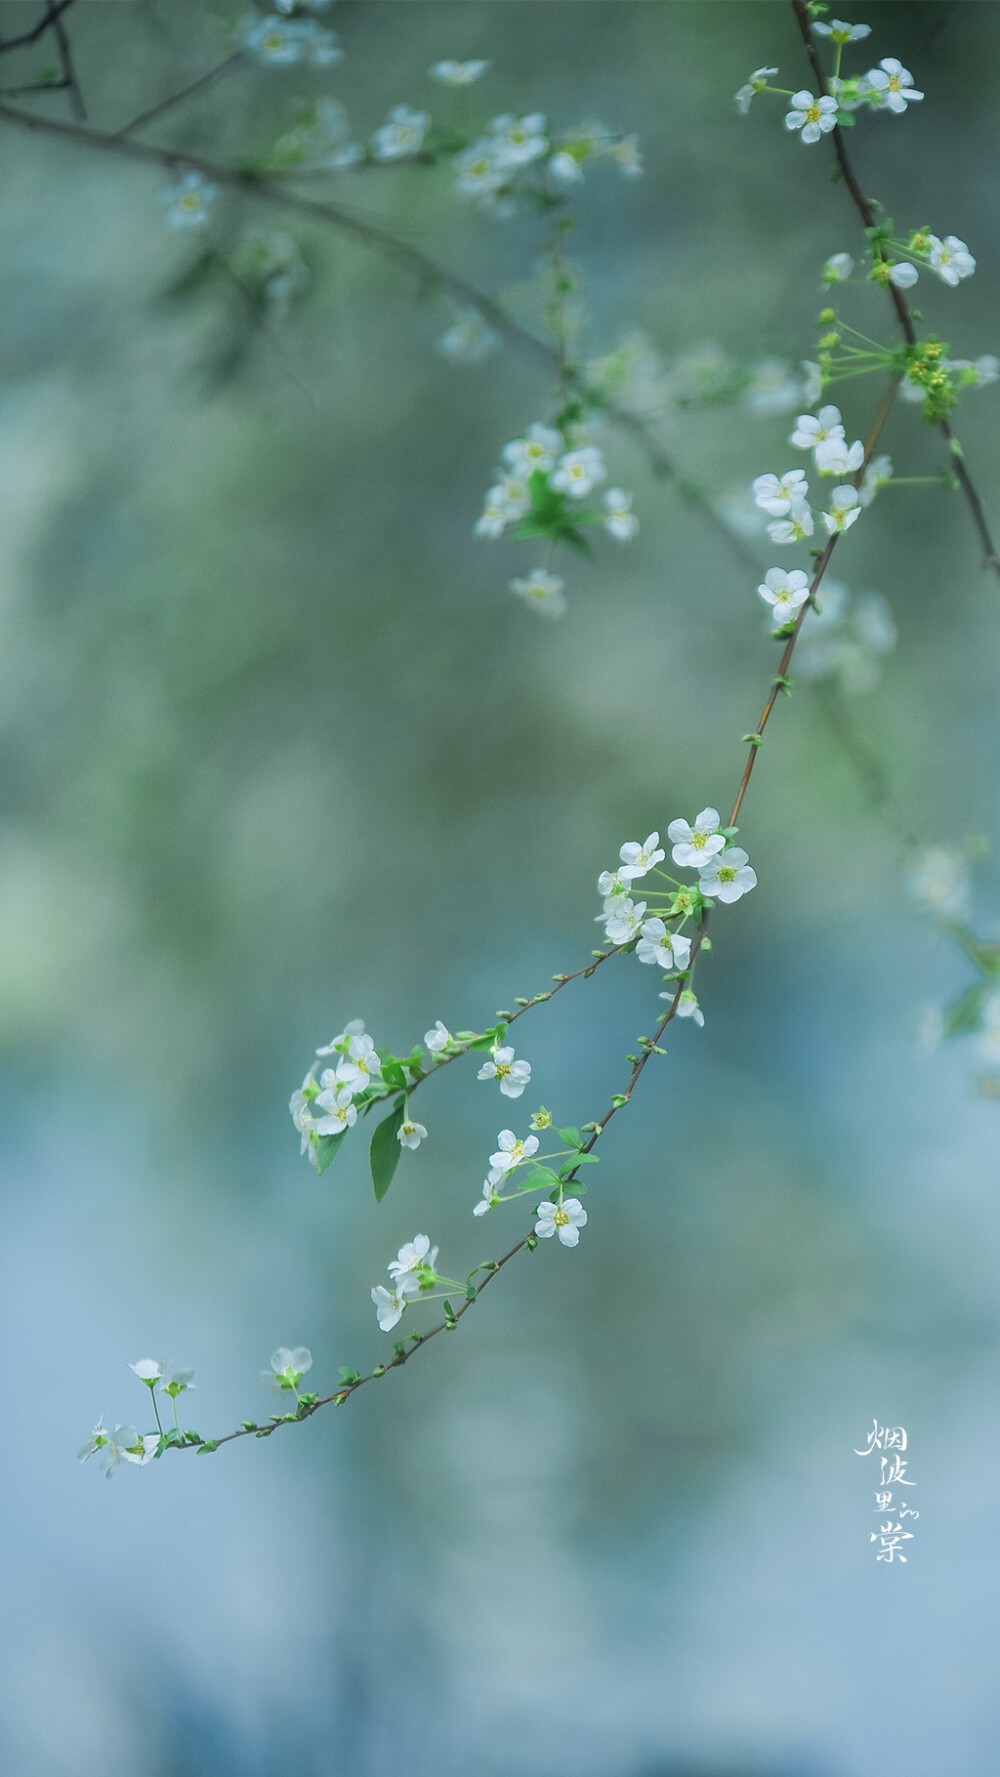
[(577, 541), (383, 1155), (205, 1448), (846, 120), (326, 1148), (570, 1136), (964, 1015), (541, 1179)]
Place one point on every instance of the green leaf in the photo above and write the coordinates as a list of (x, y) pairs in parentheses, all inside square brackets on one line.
[(383, 1155), (577, 541), (571, 1136), (541, 1179), (964, 1015), (490, 1038), (846, 120), (326, 1148), (392, 1068), (985, 956)]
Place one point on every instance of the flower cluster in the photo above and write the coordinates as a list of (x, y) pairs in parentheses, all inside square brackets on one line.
[(412, 1273), (492, 167), (785, 497), (887, 87), (285, 42), (124, 1443)]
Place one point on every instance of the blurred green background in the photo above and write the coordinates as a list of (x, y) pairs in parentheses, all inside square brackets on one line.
[(280, 751)]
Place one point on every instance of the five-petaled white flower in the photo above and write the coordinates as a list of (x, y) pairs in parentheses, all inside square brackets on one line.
[(538, 449), (834, 456), (785, 593), (838, 267), (189, 202), (841, 32), (694, 845), (891, 84), (410, 1135), (637, 859), (814, 117), (479, 174), (578, 471), (511, 1076), (756, 84), (951, 258), (360, 1066), (812, 430), (671, 950), (403, 134), (336, 1102), (542, 591), (148, 1370), (845, 509), (412, 1258), (511, 1151), (458, 73), (621, 521), (778, 494), (437, 1040), (303, 40), (518, 140), (143, 1450), (565, 1219), (728, 876), (287, 1364), (490, 1196), (391, 1304), (795, 527), (622, 918)]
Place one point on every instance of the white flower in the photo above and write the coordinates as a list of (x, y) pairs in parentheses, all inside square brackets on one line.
[(756, 84), (287, 1364), (836, 457), (518, 140), (838, 267), (495, 514), (814, 117), (903, 275), (811, 431), (795, 527), (627, 156), (458, 73), (511, 1151), (579, 471), (437, 1040), (282, 44), (336, 1103), (301, 1109), (671, 950), (490, 1198), (178, 1381), (542, 591), (891, 84), (143, 1450), (189, 202), (694, 845), (148, 1369), (469, 340), (339, 1045), (538, 449), (516, 498), (987, 369), (687, 1005), (622, 918), (565, 1219), (785, 593), (841, 32), (566, 169), (940, 882), (621, 521), (951, 258), (360, 1067), (479, 173), (729, 876), (778, 496), (410, 1135), (403, 134), (812, 384), (844, 510), (390, 1305), (877, 474), (512, 1076), (611, 884), (411, 1258), (637, 859)]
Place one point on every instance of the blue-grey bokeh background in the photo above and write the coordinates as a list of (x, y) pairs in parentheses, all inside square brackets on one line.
[(279, 750)]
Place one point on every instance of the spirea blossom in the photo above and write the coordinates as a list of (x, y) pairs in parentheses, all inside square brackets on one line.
[(903, 274), (838, 267), (728, 875), (812, 430), (469, 340), (437, 1040), (812, 117), (283, 43), (189, 202), (565, 1219), (695, 844), (511, 1151), (785, 593), (410, 1135), (542, 591), (845, 510), (622, 918), (402, 134), (794, 528), (621, 521), (841, 32), (390, 1305), (511, 1076), (951, 258), (756, 84), (578, 471), (778, 494), (458, 73), (670, 950), (538, 449), (834, 456), (891, 85), (412, 1258), (518, 140), (638, 859)]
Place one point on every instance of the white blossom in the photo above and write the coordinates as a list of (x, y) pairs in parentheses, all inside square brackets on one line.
[(360, 1067), (814, 117), (458, 73), (728, 876), (638, 860), (812, 383), (756, 84), (335, 1102), (834, 456), (479, 172), (143, 1450), (838, 267), (538, 449), (469, 339), (841, 32), (189, 201), (288, 1363), (940, 881), (511, 1151), (403, 134), (812, 430), (518, 140), (626, 155), (951, 258), (687, 1006), (622, 918), (877, 475), (774, 388), (778, 495), (542, 591), (891, 84), (390, 1305), (611, 884), (512, 1076), (565, 1219), (566, 169), (410, 1135), (903, 275), (303, 40), (300, 1106), (844, 511), (437, 1040), (578, 471), (148, 1369), (694, 845), (489, 1197), (621, 521), (671, 950), (494, 515), (785, 593), (339, 1045), (798, 525), (411, 1258)]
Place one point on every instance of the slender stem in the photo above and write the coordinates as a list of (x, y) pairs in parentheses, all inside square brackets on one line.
[(203, 82)]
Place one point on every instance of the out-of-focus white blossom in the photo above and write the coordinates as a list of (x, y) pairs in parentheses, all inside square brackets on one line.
[(811, 117), (542, 591), (189, 202), (403, 133), (469, 340), (838, 267), (621, 521), (756, 84), (458, 73), (282, 44)]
